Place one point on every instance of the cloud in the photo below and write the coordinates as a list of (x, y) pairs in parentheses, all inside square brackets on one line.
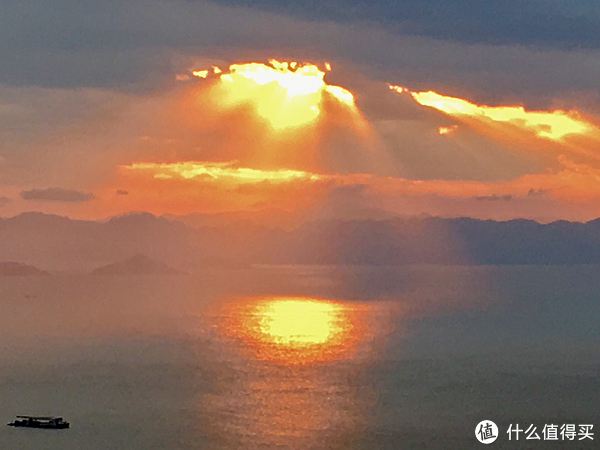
[(539, 22), (130, 43), (62, 136), (57, 195)]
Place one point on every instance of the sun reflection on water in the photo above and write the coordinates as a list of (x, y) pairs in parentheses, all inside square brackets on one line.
[(297, 330), (292, 371), (297, 323)]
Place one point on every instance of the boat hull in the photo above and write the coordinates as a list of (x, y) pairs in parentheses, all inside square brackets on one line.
[(59, 426)]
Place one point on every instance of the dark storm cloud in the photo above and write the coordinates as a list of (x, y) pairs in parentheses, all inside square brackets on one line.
[(553, 23), (57, 195), (551, 47)]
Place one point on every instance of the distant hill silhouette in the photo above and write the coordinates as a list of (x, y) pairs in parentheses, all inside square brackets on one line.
[(10, 268), (59, 243), (136, 265), (62, 244)]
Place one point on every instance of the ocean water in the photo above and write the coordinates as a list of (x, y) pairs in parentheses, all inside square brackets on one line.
[(300, 357)]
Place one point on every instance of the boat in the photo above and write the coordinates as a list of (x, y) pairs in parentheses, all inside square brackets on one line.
[(55, 423)]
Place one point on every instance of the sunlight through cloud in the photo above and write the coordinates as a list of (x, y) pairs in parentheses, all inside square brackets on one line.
[(555, 124), (286, 94), (218, 171)]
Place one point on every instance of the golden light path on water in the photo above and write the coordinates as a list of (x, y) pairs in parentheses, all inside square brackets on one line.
[(290, 383), (298, 330), (298, 322)]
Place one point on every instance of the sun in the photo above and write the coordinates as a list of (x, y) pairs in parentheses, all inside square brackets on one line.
[(287, 95)]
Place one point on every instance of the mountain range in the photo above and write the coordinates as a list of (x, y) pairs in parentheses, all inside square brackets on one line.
[(16, 269), (56, 243)]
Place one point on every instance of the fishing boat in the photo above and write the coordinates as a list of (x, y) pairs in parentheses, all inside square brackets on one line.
[(55, 423)]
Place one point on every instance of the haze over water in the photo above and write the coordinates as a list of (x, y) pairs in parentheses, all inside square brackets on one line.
[(298, 357)]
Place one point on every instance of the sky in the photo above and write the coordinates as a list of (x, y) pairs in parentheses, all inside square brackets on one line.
[(449, 108)]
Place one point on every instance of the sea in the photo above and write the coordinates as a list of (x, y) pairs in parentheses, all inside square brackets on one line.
[(303, 357)]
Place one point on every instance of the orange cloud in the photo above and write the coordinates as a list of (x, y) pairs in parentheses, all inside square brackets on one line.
[(556, 129), (213, 187), (219, 171), (554, 125)]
